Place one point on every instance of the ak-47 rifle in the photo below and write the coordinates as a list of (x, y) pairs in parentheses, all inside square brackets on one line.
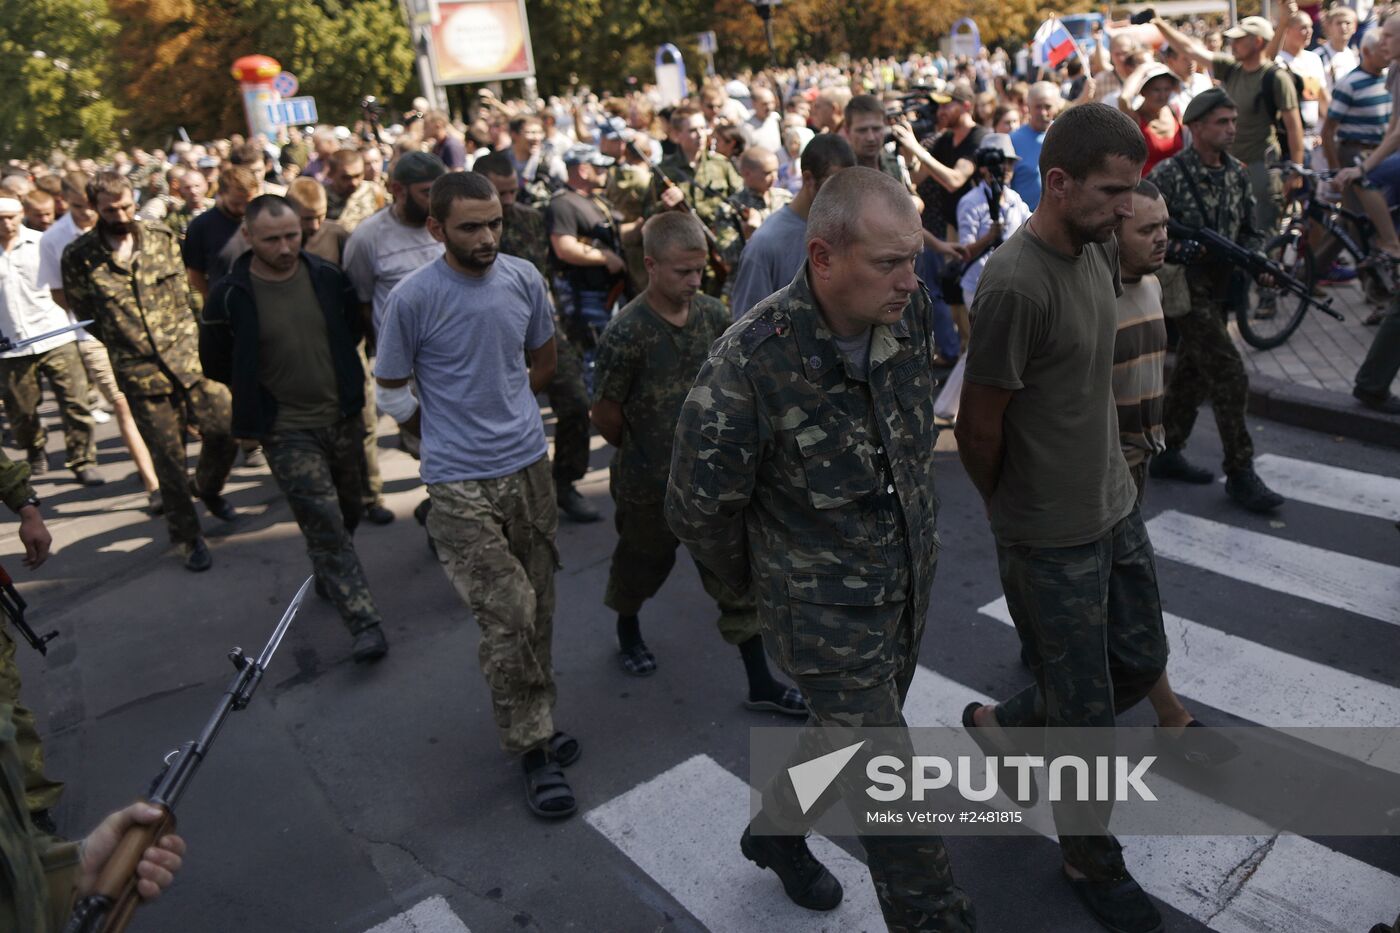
[(109, 907), (13, 606), (717, 261), (1253, 263)]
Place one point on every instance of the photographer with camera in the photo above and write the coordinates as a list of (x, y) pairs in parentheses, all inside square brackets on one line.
[(991, 211)]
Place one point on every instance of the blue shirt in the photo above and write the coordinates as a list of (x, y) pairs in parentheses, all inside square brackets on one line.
[(1026, 180), (770, 259), (463, 340)]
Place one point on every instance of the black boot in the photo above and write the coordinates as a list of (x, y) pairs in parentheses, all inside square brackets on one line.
[(1249, 492), (807, 882), (575, 507), (1170, 464)]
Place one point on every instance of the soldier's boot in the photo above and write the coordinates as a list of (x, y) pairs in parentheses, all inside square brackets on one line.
[(575, 507), (1249, 492), (38, 463), (807, 882), (370, 645), (197, 556), (87, 476), (377, 514), (1171, 464), (1119, 904), (219, 507)]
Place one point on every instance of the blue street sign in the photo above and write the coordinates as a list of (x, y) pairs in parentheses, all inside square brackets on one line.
[(294, 111), (285, 84)]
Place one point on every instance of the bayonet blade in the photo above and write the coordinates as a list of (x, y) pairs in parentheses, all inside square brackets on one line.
[(30, 341), (281, 629)]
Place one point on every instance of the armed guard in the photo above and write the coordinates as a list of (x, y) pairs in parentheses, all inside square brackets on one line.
[(1205, 186)]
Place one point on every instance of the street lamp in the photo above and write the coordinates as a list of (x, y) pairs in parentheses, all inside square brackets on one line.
[(765, 13)]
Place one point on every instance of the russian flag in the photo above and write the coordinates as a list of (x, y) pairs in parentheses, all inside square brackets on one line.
[(1053, 43)]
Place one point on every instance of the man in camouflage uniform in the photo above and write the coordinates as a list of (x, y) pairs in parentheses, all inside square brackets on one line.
[(191, 198), (41, 792), (803, 472), (626, 190), (647, 359), (350, 199), (127, 276), (1207, 187), (282, 330), (758, 201), (703, 182), (524, 236)]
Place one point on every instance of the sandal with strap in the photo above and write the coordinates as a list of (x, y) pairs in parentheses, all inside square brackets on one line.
[(564, 749), (637, 660), (789, 703), (548, 794)]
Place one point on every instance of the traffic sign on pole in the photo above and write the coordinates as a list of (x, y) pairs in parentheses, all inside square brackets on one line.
[(294, 111), (285, 84)]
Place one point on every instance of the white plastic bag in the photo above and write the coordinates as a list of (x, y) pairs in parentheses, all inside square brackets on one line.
[(946, 405)]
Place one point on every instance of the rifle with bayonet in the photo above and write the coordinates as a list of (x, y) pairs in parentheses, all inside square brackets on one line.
[(12, 605), (7, 345), (1253, 263), (108, 909), (717, 260)]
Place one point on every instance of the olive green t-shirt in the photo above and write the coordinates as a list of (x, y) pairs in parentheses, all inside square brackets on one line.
[(294, 353), (648, 365), (1043, 326), (1255, 134)]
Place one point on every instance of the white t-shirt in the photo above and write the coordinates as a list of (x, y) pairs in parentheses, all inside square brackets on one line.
[(27, 308), (1337, 65), (975, 219), (51, 246), (1308, 66)]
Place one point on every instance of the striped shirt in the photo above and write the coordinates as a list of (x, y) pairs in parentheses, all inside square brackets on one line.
[(1360, 107), (1139, 351)]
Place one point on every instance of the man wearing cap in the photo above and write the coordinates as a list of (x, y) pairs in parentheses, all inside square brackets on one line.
[(1205, 186), (28, 310), (383, 250), (991, 211), (626, 189), (586, 238), (1253, 84)]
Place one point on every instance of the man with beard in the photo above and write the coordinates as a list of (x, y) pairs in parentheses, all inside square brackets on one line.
[(281, 331), (379, 254), (350, 198), (463, 327), (208, 234), (124, 275), (1038, 435)]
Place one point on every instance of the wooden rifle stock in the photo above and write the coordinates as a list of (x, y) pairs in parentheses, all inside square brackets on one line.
[(717, 262), (117, 883)]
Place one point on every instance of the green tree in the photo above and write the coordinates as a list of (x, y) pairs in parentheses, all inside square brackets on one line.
[(54, 66)]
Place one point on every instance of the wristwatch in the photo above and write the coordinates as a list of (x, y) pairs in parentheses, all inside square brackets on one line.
[(32, 500)]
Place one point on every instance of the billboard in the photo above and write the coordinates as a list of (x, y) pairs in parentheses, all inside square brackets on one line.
[(480, 40)]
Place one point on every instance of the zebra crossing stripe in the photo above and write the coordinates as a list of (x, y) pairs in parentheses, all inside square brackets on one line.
[(1331, 487), (431, 916), (1233, 884), (1267, 686), (1355, 584), (682, 828)]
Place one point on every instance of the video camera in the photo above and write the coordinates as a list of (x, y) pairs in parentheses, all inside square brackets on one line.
[(919, 109), (994, 160)]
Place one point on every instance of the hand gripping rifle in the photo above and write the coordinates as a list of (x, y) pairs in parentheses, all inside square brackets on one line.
[(1253, 263), (109, 907), (12, 605), (717, 262)]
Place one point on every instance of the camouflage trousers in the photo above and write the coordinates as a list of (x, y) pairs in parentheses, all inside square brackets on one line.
[(371, 482), (64, 368), (568, 396), (642, 560), (495, 540), (912, 875), (1090, 622), (40, 791), (161, 421), (319, 470), (1208, 367)]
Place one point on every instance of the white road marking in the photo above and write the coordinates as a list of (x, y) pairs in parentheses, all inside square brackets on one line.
[(431, 916), (1331, 487)]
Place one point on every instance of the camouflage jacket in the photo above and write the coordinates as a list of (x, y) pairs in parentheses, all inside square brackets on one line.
[(1228, 199), (707, 188), (523, 236), (647, 366), (731, 237), (141, 313), (42, 871), (815, 488), (350, 211), (14, 482)]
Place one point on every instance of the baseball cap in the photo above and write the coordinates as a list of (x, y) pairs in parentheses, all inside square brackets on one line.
[(1252, 26), (586, 155), (614, 128), (957, 91)]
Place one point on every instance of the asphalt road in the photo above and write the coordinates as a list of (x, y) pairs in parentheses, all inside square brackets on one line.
[(348, 798)]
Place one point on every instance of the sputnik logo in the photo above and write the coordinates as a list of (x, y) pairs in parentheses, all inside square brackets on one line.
[(811, 778)]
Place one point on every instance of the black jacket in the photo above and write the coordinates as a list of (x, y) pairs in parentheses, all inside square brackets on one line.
[(228, 342)]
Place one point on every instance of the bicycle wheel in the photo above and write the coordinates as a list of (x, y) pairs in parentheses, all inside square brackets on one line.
[(1269, 316)]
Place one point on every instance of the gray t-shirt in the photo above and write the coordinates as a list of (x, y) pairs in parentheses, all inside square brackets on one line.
[(856, 350), (381, 252), (463, 340), (771, 259), (1044, 326)]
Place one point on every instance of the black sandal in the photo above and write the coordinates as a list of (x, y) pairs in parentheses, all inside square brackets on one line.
[(564, 749), (1008, 778), (637, 660), (547, 794), (788, 703), (1198, 744)]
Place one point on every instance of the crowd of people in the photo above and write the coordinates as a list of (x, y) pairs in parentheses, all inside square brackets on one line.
[(872, 227)]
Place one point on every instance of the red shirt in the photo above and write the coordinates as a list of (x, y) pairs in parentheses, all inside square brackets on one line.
[(1160, 147)]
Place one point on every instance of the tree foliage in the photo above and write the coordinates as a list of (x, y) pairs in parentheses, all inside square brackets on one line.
[(53, 67)]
